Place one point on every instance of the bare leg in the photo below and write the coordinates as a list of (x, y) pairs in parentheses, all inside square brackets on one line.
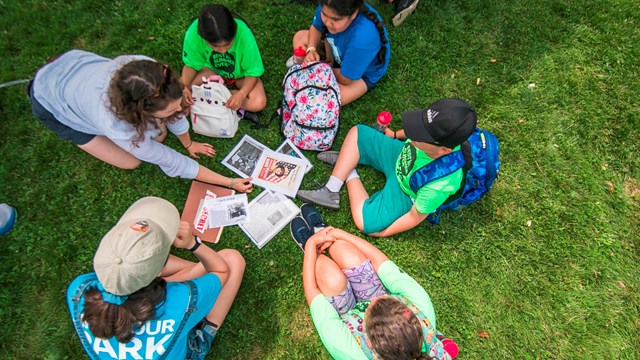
[(349, 155), (357, 196), (205, 72), (329, 277), (256, 100), (104, 149), (300, 39), (352, 92), (346, 255), (220, 309)]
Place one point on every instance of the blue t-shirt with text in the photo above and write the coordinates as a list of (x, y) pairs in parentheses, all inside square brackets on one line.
[(153, 337)]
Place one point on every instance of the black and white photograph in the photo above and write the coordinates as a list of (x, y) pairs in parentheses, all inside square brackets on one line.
[(243, 157), (288, 148)]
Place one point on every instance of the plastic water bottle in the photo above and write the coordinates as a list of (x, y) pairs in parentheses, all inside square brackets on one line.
[(298, 55), (384, 118)]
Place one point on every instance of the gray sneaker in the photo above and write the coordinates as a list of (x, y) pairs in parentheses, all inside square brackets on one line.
[(329, 157), (322, 197), (404, 8)]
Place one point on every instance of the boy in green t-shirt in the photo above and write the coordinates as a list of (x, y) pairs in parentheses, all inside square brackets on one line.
[(430, 133), (218, 43)]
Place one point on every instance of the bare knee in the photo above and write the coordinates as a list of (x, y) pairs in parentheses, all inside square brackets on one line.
[(300, 38), (346, 255), (258, 103), (130, 164), (234, 260)]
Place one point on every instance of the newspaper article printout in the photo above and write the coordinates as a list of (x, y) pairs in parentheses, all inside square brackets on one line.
[(243, 157), (270, 212), (227, 210), (288, 148), (279, 172)]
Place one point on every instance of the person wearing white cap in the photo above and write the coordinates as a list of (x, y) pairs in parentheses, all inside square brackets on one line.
[(144, 303)]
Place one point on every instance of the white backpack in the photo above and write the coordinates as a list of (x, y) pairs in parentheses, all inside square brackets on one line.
[(209, 116)]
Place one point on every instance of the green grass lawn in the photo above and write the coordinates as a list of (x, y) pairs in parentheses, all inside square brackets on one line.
[(546, 265)]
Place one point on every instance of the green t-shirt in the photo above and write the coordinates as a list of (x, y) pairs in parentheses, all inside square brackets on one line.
[(435, 193), (243, 58), (335, 335)]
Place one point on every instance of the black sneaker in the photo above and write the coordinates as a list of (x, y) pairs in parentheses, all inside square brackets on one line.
[(313, 218), (404, 8), (300, 231)]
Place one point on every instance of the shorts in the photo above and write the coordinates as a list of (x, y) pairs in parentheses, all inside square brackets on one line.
[(362, 284), (199, 342), (49, 121), (387, 205)]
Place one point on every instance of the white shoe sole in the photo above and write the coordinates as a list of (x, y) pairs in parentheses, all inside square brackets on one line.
[(402, 15)]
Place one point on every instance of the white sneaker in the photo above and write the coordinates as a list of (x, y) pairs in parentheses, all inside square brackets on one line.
[(290, 62)]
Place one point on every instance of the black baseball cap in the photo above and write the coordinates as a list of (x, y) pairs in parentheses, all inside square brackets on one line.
[(446, 122)]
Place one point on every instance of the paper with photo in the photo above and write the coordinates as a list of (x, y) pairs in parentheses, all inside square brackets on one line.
[(279, 172), (288, 148), (270, 212), (227, 210), (243, 157)]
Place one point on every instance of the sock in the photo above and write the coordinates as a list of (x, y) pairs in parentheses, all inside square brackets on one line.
[(353, 175), (334, 184)]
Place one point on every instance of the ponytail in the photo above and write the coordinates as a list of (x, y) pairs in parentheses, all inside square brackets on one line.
[(107, 320), (364, 10)]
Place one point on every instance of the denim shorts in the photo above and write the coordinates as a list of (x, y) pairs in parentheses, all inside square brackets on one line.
[(48, 120)]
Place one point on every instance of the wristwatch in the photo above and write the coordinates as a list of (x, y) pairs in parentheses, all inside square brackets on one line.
[(197, 245)]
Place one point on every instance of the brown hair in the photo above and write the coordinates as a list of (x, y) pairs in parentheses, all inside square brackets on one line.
[(106, 320), (141, 88), (394, 331)]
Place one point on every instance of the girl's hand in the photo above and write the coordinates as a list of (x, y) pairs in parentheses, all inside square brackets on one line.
[(235, 101), (187, 100), (312, 56), (242, 185), (200, 148), (184, 239), (321, 240)]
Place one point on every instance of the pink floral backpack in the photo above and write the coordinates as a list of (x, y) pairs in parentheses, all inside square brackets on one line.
[(310, 106)]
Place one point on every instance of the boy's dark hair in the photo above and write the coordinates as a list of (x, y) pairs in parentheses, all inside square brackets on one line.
[(141, 88), (347, 8), (216, 24), (394, 331), (106, 320)]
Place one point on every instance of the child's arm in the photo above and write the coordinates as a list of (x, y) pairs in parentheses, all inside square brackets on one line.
[(315, 245), (235, 101), (405, 222), (313, 41), (188, 74), (209, 259), (372, 253)]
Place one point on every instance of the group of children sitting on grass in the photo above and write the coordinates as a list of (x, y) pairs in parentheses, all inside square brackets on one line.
[(143, 302)]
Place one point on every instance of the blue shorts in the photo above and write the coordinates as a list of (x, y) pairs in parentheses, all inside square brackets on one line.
[(363, 284), (385, 206), (48, 120)]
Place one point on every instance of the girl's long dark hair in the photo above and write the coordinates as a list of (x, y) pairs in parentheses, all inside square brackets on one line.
[(216, 24), (107, 320), (394, 331), (347, 8), (141, 88)]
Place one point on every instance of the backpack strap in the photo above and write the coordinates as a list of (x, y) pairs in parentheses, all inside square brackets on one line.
[(437, 169), (465, 149)]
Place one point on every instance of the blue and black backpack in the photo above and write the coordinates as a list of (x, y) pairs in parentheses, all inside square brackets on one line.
[(478, 158)]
